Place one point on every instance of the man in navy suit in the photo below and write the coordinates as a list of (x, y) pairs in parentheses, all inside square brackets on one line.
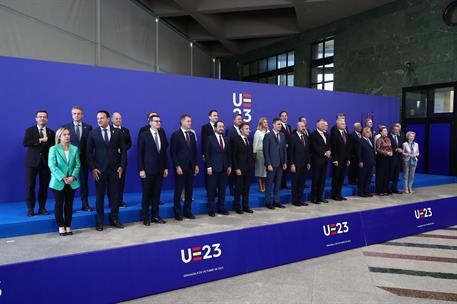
[(152, 167), (355, 137), (79, 131), (218, 166), (366, 162), (232, 133), (320, 154), (274, 152), (207, 130), (299, 163), (183, 150), (395, 164), (106, 157), (286, 129), (340, 145)]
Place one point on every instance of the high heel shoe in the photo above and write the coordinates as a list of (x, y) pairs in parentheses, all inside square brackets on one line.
[(68, 231), (62, 231)]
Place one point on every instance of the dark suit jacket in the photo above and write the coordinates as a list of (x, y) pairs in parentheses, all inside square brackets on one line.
[(242, 155), (104, 156), (366, 153), (231, 132), (147, 127), (355, 140), (395, 146), (299, 154), (286, 131), (207, 130), (341, 151), (215, 157), (127, 140), (37, 151), (82, 143), (149, 159), (182, 154), (274, 152), (318, 146)]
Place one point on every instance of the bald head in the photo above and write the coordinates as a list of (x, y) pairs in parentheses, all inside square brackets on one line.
[(116, 119), (358, 127)]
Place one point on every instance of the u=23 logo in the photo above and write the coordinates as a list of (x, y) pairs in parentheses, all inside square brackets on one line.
[(422, 213), (201, 253), (243, 105), (336, 228)]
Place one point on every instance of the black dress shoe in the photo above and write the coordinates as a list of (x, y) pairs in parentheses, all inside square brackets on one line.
[(70, 233), (158, 220), (270, 207), (147, 222), (99, 228), (369, 195), (223, 212), (247, 210), (178, 217), (189, 216), (298, 204), (43, 211), (62, 233), (30, 212), (123, 205), (304, 203), (212, 214), (279, 205), (323, 200), (315, 202), (336, 198), (343, 198), (363, 195), (116, 224), (239, 211)]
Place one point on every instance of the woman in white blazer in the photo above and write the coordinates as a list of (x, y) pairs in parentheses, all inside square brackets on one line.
[(410, 159)]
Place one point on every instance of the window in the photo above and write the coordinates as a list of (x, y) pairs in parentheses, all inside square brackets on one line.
[(443, 101), (322, 65), (277, 69), (416, 104)]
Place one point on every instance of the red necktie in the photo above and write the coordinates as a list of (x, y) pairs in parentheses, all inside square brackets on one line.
[(302, 138), (221, 143)]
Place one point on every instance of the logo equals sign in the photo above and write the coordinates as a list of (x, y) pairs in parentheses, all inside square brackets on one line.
[(421, 213), (333, 228), (247, 100), (196, 253)]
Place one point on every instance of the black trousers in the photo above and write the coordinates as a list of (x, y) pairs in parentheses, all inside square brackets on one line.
[(184, 182), (284, 178), (151, 188), (364, 179), (122, 185), (84, 182), (64, 205), (298, 183), (108, 182), (217, 182), (382, 173), (44, 175), (242, 186), (395, 166), (353, 171), (338, 178), (319, 169)]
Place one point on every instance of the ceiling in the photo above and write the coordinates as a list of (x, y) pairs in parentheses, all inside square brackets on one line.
[(232, 27)]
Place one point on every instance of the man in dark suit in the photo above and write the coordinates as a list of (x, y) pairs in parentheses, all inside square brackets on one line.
[(366, 162), (106, 157), (307, 133), (274, 152), (38, 139), (207, 130), (233, 132), (243, 162), (320, 154), (218, 166), (355, 137), (147, 127), (116, 119), (79, 131), (299, 163), (340, 145), (286, 129), (183, 150), (152, 167), (395, 164), (338, 117)]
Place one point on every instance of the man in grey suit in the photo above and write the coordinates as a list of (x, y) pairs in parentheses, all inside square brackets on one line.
[(274, 151)]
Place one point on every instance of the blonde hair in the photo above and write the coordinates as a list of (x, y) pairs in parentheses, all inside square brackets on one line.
[(259, 125), (59, 133), (410, 133)]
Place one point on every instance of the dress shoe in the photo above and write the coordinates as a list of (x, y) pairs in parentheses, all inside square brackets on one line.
[(270, 207), (99, 228), (147, 222), (178, 217), (323, 200), (69, 232), (336, 198), (298, 204), (122, 205), (369, 195), (304, 203), (247, 210), (43, 211), (86, 207), (212, 214), (223, 212), (363, 195), (158, 220), (395, 191), (117, 224), (62, 233), (189, 216), (30, 212), (239, 211), (343, 198), (315, 202)]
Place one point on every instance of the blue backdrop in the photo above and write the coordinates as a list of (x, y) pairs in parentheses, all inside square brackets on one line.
[(28, 85)]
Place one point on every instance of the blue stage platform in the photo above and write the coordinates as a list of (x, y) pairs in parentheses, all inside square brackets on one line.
[(14, 222)]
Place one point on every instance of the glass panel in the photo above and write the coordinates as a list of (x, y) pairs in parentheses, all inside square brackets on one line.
[(291, 58), (317, 74), (246, 70), (444, 101), (282, 60), (262, 65), (319, 86), (272, 63), (254, 67), (318, 51), (328, 86), (328, 76), (282, 79), (290, 80), (416, 104), (272, 80), (329, 48)]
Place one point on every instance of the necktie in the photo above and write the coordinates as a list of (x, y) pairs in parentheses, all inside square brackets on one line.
[(246, 141), (78, 132), (42, 133), (221, 143), (188, 138), (306, 132), (157, 141), (105, 136), (344, 136), (396, 140), (277, 137), (302, 138), (323, 137), (369, 142)]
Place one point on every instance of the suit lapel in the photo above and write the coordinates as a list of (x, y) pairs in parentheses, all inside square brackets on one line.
[(61, 152)]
